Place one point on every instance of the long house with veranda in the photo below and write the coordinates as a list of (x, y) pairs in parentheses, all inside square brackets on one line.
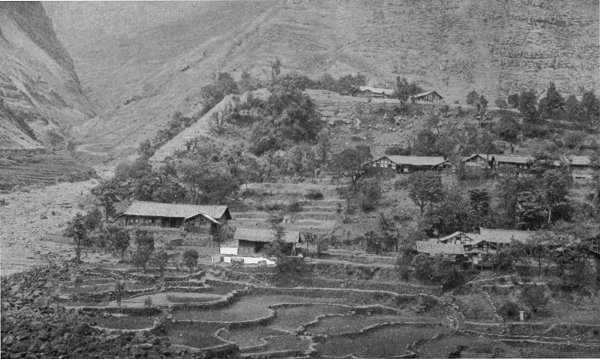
[(194, 218), (408, 164)]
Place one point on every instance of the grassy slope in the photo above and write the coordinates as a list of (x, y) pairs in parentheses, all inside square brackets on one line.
[(493, 47)]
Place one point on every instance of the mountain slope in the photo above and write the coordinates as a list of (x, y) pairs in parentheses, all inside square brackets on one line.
[(143, 72), (40, 94)]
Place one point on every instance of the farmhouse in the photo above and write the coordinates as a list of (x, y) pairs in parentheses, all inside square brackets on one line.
[(433, 248), (407, 164), (429, 96), (581, 167), (192, 217), (252, 241), (497, 162), (501, 237), (367, 91)]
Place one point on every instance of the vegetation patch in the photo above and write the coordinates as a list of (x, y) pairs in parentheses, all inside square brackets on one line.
[(124, 321), (381, 342), (291, 318)]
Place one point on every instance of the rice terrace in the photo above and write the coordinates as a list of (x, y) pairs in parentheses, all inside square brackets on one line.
[(299, 179)]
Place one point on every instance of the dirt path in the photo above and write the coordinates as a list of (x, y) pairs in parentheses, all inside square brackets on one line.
[(33, 216)]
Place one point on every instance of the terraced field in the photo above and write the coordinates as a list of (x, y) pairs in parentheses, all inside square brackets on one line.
[(28, 168)]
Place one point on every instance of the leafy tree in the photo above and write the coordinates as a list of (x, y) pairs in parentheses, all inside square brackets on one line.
[(513, 100), (161, 260), (590, 108), (534, 297), (349, 163), (117, 237), (145, 149), (389, 232), (531, 210), (573, 108), (93, 219), (323, 148), (472, 97), (190, 258), (423, 266), (552, 105), (528, 106), (448, 215), (479, 203), (404, 89), (144, 242), (368, 194), (398, 150), (106, 195), (507, 192), (425, 188), (375, 243), (222, 86), (500, 102), (556, 185), (425, 143), (119, 289), (275, 68), (77, 230)]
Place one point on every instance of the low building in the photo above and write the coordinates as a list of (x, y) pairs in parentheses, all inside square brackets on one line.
[(501, 237), (194, 218), (429, 96), (581, 167), (253, 241), (433, 248), (368, 91), (500, 163), (407, 164)]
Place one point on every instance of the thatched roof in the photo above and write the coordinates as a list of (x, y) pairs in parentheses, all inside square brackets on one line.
[(264, 235), (417, 160), (503, 236), (376, 90), (172, 210), (580, 160), (501, 158), (423, 94), (434, 248)]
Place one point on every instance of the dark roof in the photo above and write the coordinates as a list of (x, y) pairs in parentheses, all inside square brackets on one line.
[(264, 235), (376, 90), (172, 210), (433, 248), (504, 236), (501, 158), (414, 160), (423, 94)]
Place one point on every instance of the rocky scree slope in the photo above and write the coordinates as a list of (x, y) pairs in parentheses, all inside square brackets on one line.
[(143, 73), (40, 93)]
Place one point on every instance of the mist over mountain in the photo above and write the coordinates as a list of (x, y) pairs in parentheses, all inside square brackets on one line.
[(40, 93), (141, 62)]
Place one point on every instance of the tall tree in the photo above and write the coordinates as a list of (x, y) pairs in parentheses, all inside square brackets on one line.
[(552, 105), (425, 188), (528, 106), (349, 163), (77, 230)]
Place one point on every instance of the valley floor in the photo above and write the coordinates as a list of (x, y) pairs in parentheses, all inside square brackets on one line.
[(32, 221)]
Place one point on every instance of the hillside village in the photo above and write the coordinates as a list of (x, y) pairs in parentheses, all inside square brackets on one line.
[(296, 215)]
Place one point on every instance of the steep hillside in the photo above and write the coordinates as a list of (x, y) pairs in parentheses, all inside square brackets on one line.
[(40, 94), (143, 72)]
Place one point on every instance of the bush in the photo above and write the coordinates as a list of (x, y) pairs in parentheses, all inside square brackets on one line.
[(314, 195), (294, 207), (534, 297), (274, 206), (509, 311)]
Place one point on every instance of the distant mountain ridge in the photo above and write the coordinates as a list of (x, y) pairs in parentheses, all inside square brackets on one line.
[(142, 62), (40, 93)]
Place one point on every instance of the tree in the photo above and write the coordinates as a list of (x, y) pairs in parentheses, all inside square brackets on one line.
[(161, 260), (450, 214), (190, 259), (275, 68), (500, 102), (404, 89), (552, 104), (573, 108), (534, 297), (349, 163), (423, 266), (513, 100), (389, 232), (590, 108), (323, 148), (556, 185), (479, 201), (472, 97), (117, 237), (528, 106), (144, 242), (92, 219), (77, 230), (425, 188), (119, 289), (368, 194)]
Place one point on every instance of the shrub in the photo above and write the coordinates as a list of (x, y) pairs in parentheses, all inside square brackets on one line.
[(501, 102), (148, 302), (294, 207), (190, 259), (314, 195), (274, 206), (509, 311), (534, 297)]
